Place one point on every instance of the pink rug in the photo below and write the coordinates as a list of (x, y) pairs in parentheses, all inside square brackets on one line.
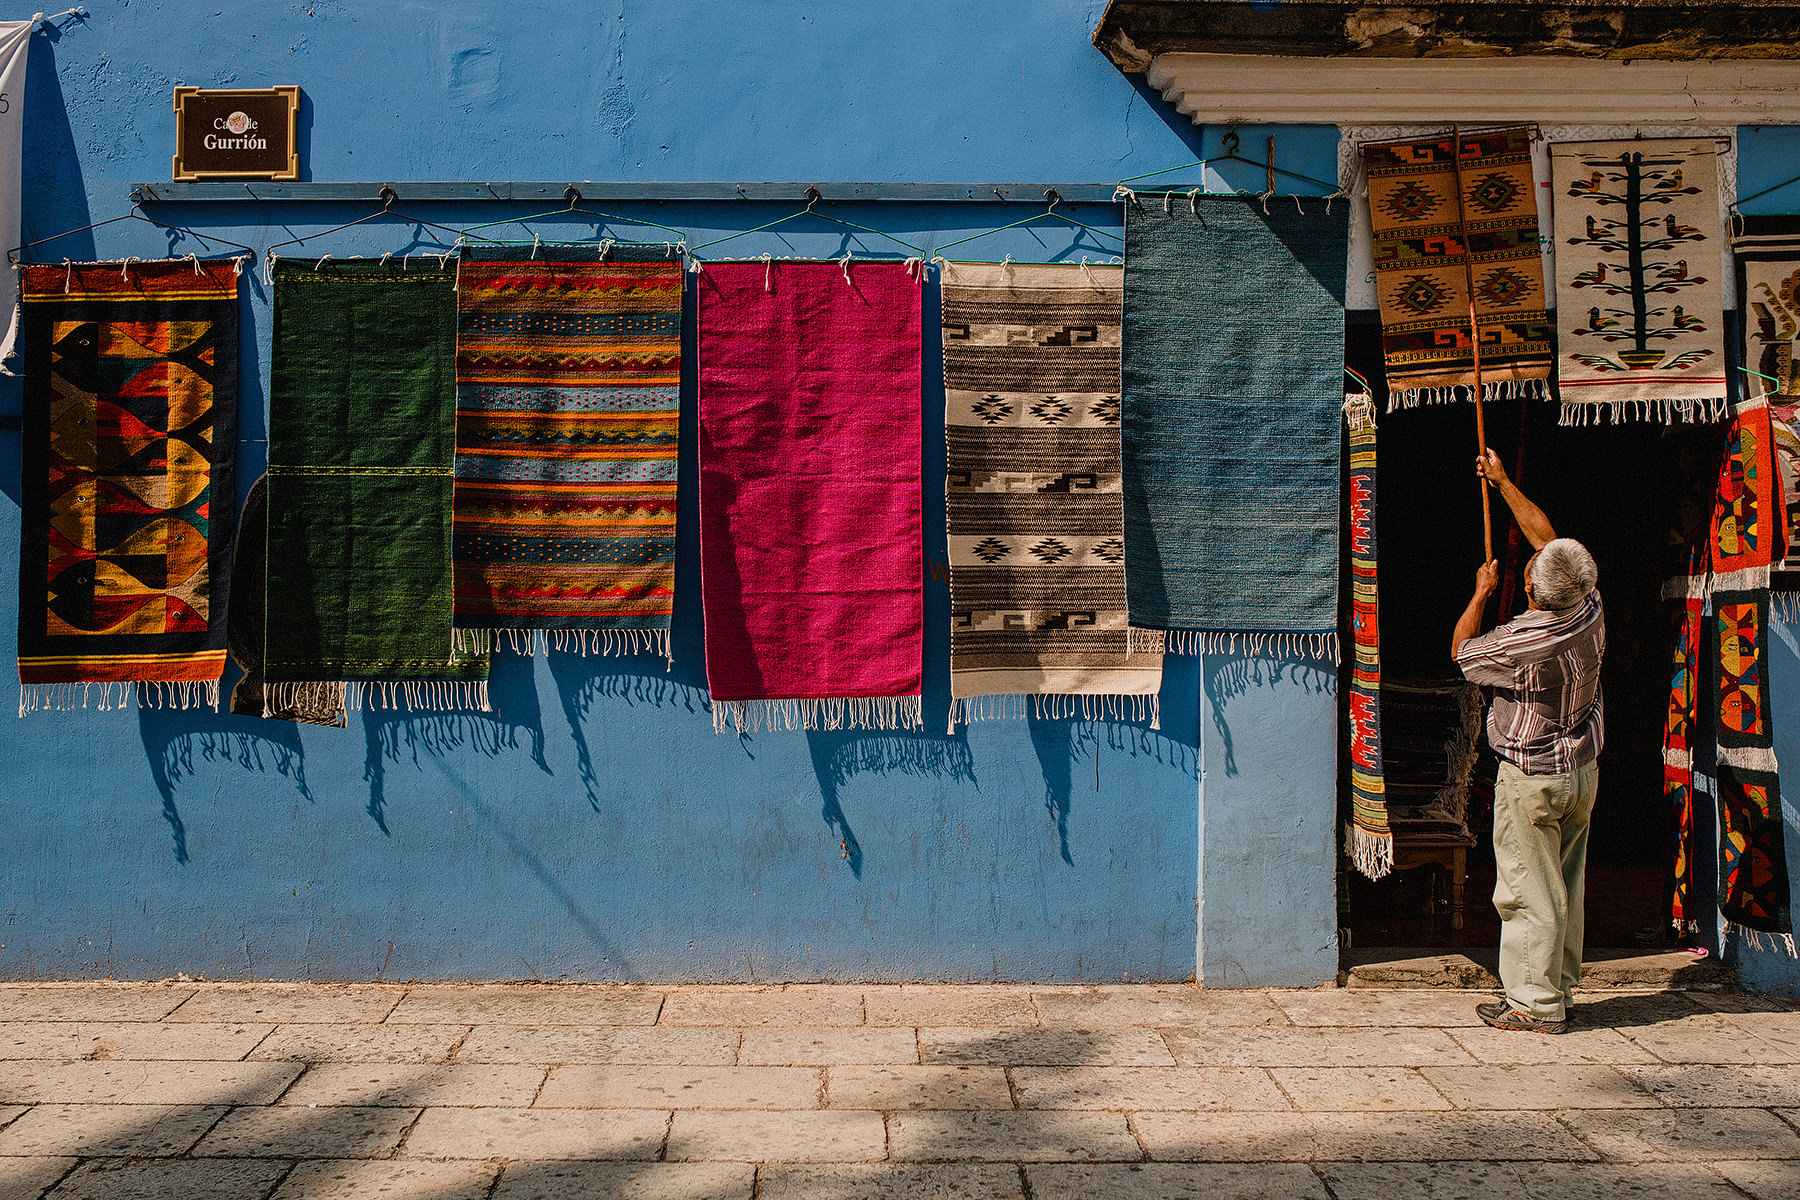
[(810, 528)]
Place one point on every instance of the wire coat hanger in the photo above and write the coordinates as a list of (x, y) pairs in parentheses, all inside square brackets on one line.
[(386, 210), (1230, 145), (573, 195), (812, 197), (135, 214), (1051, 195)]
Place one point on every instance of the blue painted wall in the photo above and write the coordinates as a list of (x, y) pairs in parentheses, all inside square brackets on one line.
[(593, 826)]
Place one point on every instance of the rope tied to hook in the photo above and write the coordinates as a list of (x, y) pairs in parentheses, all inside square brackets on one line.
[(125, 266), (768, 271), (845, 263)]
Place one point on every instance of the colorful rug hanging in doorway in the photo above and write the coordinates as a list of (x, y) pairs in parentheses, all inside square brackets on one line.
[(568, 374), (1371, 840), (1641, 324), (810, 523), (1767, 253), (1688, 626), (362, 435), (1231, 431), (127, 495), (1433, 244), (1037, 536), (1753, 878)]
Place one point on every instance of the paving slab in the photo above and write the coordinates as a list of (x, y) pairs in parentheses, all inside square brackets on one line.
[(1698, 1085), (1505, 1046), (1375, 1006), (525, 1133), (1486, 1180), (891, 1181), (1012, 1137), (378, 1179), (1763, 1179), (360, 1043), (626, 1181), (790, 1004), (1685, 1134), (11, 1112), (91, 1001), (702, 1045), (171, 1178), (774, 1046), (1628, 1011), (34, 1081), (128, 1039), (1777, 1030), (605, 1086), (26, 1178), (917, 1004), (286, 1003), (287, 1132), (417, 1085), (1175, 1181), (900, 1087), (1537, 1086), (1358, 1089), (1361, 1136), (1711, 1038), (1152, 1004), (1045, 1047), (1731, 1000), (109, 1130), (1129, 1089), (527, 1005), (1406, 1046), (834, 1136)]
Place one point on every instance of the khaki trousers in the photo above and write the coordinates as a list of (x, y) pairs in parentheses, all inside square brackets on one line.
[(1540, 850)]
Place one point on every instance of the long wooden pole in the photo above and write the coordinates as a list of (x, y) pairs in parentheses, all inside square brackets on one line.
[(1462, 227)]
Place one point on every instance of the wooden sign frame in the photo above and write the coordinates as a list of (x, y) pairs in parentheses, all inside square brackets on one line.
[(278, 111)]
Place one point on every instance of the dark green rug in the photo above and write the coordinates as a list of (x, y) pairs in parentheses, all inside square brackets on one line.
[(362, 438)]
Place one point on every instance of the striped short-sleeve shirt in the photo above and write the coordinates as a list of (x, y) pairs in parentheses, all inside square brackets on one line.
[(1544, 667)]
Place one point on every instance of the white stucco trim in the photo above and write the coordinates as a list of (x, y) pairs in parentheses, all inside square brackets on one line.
[(1254, 88)]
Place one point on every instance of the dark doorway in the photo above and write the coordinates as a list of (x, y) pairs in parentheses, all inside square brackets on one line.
[(1605, 485)]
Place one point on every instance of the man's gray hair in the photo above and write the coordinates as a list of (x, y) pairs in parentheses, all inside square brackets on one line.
[(1563, 574)]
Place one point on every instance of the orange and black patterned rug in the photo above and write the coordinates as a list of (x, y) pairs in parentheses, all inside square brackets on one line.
[(128, 499)]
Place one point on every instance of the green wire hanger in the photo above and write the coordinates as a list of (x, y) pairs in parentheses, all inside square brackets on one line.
[(573, 195), (812, 197), (1230, 144), (1051, 195)]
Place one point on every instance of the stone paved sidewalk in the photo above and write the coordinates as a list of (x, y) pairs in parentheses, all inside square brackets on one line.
[(202, 1091)]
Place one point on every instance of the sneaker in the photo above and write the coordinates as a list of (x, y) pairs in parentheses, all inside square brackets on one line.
[(1502, 1015)]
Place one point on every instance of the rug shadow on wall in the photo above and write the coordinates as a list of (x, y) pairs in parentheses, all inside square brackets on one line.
[(635, 682), (178, 742), (840, 755), (515, 722), (1234, 673)]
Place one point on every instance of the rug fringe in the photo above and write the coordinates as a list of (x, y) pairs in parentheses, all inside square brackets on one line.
[(1145, 641), (114, 695), (831, 713), (1359, 411), (1761, 940), (1057, 706), (415, 695), (1669, 412), (1497, 389), (1371, 853), (1785, 605), (1319, 647), (611, 643), (325, 696)]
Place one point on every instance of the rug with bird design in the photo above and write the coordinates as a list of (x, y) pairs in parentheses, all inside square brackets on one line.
[(1640, 310)]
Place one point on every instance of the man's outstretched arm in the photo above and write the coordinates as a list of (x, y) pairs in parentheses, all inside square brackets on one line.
[(1532, 521), (1469, 624)]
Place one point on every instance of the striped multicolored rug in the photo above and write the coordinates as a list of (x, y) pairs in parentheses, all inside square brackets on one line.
[(568, 372), (127, 503), (1371, 839), (1037, 530)]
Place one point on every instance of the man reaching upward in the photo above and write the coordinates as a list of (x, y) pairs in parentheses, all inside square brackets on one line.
[(1546, 725)]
